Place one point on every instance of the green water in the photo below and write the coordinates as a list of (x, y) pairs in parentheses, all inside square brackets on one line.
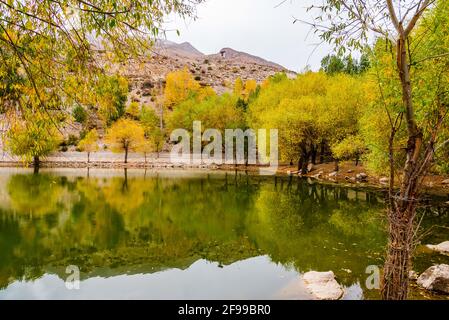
[(191, 235)]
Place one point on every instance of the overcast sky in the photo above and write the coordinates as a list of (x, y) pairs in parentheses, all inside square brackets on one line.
[(255, 26)]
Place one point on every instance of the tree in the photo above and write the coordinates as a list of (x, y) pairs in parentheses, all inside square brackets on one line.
[(32, 138), (238, 87), (111, 96), (315, 110), (345, 24), (89, 143), (179, 86), (133, 110), (352, 147), (125, 135), (334, 64), (54, 44), (146, 147), (153, 131)]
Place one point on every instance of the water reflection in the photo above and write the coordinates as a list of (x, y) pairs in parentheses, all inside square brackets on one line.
[(175, 230)]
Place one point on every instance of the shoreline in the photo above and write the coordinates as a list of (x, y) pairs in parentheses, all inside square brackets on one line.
[(322, 173)]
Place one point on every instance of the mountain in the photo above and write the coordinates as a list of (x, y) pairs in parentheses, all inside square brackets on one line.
[(184, 49), (146, 74), (234, 55)]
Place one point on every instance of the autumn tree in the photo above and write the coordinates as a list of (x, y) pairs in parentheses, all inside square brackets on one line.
[(238, 87), (311, 112), (89, 143), (179, 86), (32, 138), (349, 25), (125, 135), (154, 134), (133, 110), (54, 44)]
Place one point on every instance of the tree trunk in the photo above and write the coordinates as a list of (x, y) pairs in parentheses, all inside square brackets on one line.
[(126, 155), (323, 146), (88, 157), (303, 159), (145, 155), (337, 165), (314, 152), (36, 164), (395, 284), (300, 163)]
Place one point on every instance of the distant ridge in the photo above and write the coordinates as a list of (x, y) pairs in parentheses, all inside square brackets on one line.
[(231, 54), (187, 50)]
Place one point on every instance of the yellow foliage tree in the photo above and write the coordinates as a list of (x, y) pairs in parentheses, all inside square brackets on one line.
[(179, 86), (133, 110), (250, 87), (125, 135), (89, 143), (238, 87)]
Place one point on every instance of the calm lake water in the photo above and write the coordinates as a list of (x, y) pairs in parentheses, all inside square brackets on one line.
[(191, 235)]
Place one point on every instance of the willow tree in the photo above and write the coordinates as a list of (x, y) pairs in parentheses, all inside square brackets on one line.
[(352, 24), (46, 44)]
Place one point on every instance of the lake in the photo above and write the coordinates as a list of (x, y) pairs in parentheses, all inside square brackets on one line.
[(192, 235)]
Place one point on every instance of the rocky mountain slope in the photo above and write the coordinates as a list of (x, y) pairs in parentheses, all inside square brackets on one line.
[(147, 74)]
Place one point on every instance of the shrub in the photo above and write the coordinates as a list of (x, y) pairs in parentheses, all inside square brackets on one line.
[(79, 114)]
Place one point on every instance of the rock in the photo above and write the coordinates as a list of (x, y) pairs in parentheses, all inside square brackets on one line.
[(435, 278), (322, 285), (333, 174), (350, 171), (310, 167), (413, 275), (317, 176), (384, 180), (442, 247), (445, 182), (361, 176)]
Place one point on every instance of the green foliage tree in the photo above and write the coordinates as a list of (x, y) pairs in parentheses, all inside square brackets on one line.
[(351, 147), (79, 114), (403, 26), (111, 96), (334, 64), (309, 111), (151, 123)]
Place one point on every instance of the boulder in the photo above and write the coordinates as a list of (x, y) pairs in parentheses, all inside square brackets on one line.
[(333, 174), (350, 171), (445, 182), (317, 176), (413, 275), (442, 247), (322, 285), (435, 278), (384, 180), (362, 177), (310, 167)]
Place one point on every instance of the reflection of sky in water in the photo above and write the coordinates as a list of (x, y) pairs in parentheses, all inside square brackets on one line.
[(255, 278)]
